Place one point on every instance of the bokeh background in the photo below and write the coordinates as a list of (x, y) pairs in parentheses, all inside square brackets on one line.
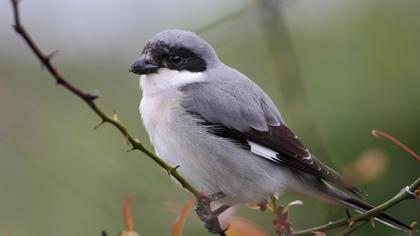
[(336, 69)]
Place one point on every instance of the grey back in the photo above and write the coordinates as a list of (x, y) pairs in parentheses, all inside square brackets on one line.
[(229, 98)]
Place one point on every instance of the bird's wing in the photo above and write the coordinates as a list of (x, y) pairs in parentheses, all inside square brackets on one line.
[(243, 113)]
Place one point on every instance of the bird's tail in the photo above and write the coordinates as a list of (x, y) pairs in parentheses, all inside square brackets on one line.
[(362, 206)]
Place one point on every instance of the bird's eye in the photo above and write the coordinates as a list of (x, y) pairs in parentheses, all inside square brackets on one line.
[(175, 60)]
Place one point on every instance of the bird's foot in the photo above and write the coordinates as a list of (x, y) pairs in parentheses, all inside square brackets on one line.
[(208, 216)]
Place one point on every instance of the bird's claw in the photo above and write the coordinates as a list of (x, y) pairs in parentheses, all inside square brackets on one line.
[(209, 217)]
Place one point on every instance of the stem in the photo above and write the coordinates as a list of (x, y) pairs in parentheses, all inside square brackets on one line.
[(378, 133), (405, 194), (89, 99)]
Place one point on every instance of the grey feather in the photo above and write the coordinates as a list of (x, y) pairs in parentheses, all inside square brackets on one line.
[(231, 99)]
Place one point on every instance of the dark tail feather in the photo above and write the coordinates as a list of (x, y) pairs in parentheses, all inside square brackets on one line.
[(386, 219)]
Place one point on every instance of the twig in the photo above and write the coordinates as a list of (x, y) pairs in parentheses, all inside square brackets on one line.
[(378, 133), (405, 194), (89, 99)]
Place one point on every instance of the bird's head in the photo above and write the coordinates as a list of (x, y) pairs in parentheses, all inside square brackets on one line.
[(175, 50)]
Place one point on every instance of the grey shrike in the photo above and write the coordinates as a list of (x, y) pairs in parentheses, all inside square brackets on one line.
[(223, 130)]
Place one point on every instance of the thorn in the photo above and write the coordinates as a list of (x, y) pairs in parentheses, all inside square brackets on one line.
[(127, 140), (349, 219), (115, 116), (272, 203), (410, 232), (51, 55), (99, 125), (90, 97), (348, 215), (97, 93), (47, 59), (173, 169), (131, 149), (413, 194), (372, 222)]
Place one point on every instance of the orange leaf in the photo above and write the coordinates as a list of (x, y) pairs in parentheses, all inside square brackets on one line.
[(178, 226), (128, 219)]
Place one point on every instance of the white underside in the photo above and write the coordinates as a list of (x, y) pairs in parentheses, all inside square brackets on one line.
[(210, 163)]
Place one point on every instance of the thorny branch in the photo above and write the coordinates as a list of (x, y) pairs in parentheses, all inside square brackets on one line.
[(90, 99), (409, 192)]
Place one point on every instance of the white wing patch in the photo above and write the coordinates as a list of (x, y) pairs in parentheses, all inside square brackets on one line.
[(263, 151)]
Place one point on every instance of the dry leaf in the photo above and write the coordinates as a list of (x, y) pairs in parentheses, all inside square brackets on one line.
[(178, 226), (128, 219), (281, 222)]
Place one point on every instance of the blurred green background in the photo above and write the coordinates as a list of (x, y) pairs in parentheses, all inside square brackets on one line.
[(359, 67)]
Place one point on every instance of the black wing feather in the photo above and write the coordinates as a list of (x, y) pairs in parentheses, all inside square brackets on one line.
[(291, 151)]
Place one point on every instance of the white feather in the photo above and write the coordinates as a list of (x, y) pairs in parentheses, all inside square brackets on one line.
[(263, 151), (166, 79)]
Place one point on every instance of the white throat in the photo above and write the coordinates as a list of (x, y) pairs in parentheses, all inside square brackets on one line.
[(167, 79)]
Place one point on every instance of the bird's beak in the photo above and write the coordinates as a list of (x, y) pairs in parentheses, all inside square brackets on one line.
[(143, 67)]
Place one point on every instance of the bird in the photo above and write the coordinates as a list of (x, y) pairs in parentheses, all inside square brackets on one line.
[(225, 134)]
